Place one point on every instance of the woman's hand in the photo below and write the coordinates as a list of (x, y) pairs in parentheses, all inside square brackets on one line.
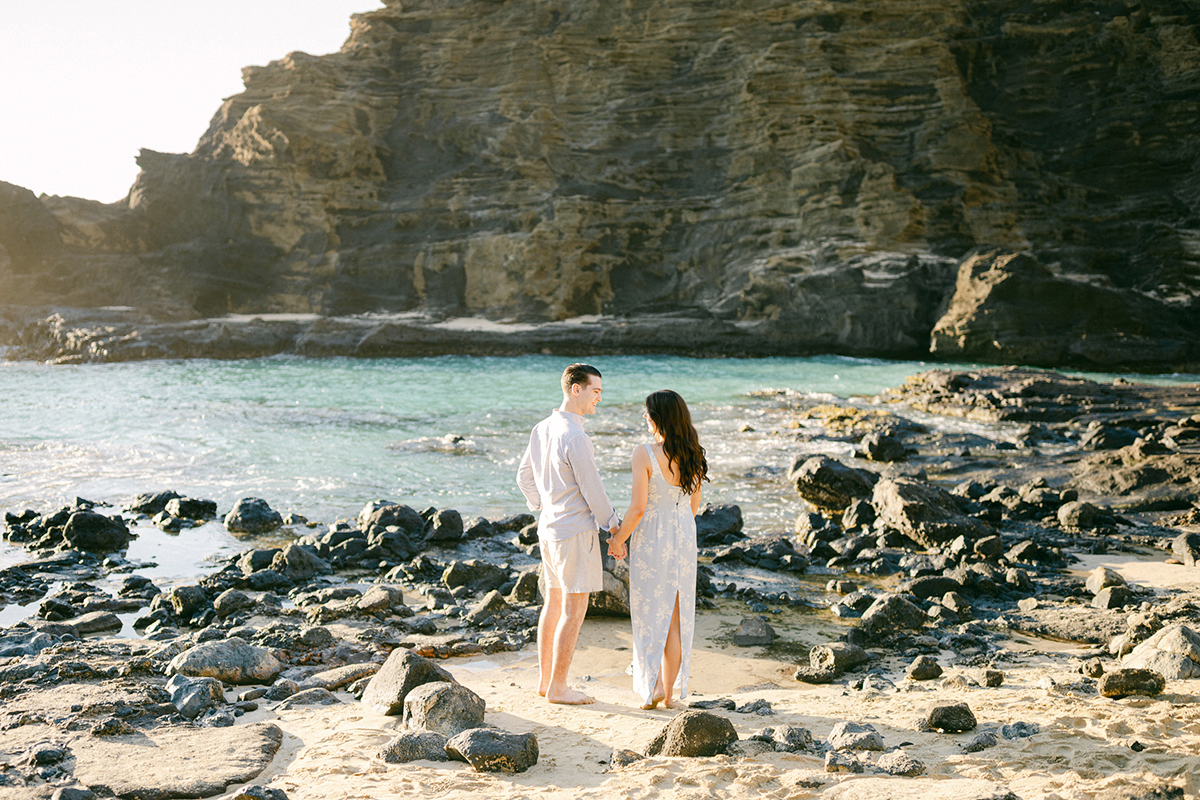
[(617, 549)]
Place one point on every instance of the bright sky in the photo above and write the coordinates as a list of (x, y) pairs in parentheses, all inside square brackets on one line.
[(85, 84)]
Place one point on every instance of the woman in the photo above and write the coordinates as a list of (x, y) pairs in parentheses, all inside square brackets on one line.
[(662, 553)]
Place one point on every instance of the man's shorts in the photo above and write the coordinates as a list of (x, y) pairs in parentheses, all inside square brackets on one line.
[(573, 565)]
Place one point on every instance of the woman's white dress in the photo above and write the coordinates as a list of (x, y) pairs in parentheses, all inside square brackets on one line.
[(662, 563)]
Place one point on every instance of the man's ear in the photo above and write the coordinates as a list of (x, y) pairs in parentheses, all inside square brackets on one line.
[(576, 388)]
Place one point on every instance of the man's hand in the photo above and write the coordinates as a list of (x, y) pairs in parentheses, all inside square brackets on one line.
[(616, 548)]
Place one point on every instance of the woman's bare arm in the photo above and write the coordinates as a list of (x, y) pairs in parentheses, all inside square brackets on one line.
[(696, 499), (640, 471)]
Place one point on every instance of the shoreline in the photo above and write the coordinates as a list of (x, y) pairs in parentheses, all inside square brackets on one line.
[(1029, 573), (119, 334)]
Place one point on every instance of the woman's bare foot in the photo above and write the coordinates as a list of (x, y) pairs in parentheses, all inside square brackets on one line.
[(569, 697)]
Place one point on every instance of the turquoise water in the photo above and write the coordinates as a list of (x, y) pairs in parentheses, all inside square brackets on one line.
[(323, 437)]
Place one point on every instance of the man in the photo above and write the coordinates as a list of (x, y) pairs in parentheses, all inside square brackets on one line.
[(558, 477)]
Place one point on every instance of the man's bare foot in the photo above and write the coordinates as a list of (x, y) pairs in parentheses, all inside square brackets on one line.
[(569, 697)]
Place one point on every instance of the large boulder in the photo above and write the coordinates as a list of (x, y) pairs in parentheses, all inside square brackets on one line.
[(187, 601), (1101, 578), (96, 533), (477, 575), (924, 513), (299, 563), (754, 632), (828, 484), (490, 750), (252, 515), (855, 736), (951, 718), (446, 526), (1173, 652), (717, 524), (693, 733), (837, 657), (414, 746), (1130, 681), (232, 661), (442, 707), (613, 599), (1008, 308), (1080, 515), (386, 514), (892, 614), (403, 671), (1186, 548)]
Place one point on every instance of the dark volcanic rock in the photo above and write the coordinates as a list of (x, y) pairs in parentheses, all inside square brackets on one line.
[(754, 632), (475, 574), (1131, 680), (446, 526), (1008, 308), (384, 514), (443, 707), (1186, 547), (951, 718), (232, 661), (403, 671), (814, 675), (299, 563), (252, 515), (693, 733), (1113, 597), (892, 614), (837, 657), (414, 746), (87, 530), (900, 763), (829, 484), (194, 696), (924, 668), (190, 508), (855, 736), (153, 503), (881, 447), (490, 750), (716, 524), (923, 512)]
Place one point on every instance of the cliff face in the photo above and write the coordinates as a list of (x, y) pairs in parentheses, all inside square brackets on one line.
[(815, 169)]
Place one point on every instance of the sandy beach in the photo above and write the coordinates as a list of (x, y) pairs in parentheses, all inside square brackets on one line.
[(1087, 746)]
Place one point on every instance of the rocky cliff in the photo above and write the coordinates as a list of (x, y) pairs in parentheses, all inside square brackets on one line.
[(813, 176)]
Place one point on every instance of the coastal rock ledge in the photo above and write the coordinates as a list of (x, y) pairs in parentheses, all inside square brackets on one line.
[(985, 181)]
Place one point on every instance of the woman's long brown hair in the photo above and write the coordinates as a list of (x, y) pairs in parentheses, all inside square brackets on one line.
[(681, 443)]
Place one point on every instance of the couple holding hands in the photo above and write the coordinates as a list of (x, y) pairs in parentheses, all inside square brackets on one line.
[(558, 477)]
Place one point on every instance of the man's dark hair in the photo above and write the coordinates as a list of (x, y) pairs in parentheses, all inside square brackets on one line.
[(578, 373)]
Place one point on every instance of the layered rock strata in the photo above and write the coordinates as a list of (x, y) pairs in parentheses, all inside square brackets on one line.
[(816, 169)]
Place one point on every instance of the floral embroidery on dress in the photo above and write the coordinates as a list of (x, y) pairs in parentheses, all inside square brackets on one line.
[(662, 563)]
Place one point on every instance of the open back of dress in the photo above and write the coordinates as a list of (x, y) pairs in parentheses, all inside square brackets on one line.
[(662, 563)]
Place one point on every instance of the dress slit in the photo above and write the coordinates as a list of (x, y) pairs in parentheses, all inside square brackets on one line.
[(662, 572)]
